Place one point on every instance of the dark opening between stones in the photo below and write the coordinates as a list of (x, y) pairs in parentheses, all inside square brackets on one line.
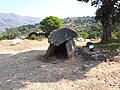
[(60, 51)]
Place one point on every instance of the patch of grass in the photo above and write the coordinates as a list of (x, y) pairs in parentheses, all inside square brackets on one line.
[(110, 45)]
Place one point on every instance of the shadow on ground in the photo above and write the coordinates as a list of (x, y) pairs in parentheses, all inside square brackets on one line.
[(17, 69)]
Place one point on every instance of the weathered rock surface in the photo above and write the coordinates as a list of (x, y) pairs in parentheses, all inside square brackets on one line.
[(97, 55)]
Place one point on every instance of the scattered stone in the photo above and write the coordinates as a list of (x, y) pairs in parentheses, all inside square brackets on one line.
[(59, 73), (78, 71), (91, 65), (55, 62), (0, 83), (43, 66), (24, 57), (116, 58), (97, 55), (9, 81), (86, 66), (105, 80), (92, 53), (112, 84)]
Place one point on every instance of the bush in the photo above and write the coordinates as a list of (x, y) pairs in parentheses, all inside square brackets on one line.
[(36, 36), (118, 34), (33, 37), (3, 36), (83, 34)]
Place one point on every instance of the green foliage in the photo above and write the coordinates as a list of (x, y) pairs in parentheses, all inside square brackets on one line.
[(35, 36), (95, 30), (26, 29), (2, 36), (108, 14), (83, 34), (116, 34), (86, 27), (32, 33), (96, 26), (21, 31), (108, 8), (50, 23), (116, 28), (12, 33)]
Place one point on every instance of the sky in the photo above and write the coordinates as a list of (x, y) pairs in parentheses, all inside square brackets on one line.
[(44, 8)]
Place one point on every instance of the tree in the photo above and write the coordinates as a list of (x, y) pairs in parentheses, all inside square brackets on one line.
[(108, 13), (50, 23), (12, 33)]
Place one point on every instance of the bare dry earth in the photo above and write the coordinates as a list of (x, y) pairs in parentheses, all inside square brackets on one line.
[(21, 68)]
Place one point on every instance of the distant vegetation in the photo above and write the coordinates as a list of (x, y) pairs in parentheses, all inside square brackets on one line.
[(86, 27)]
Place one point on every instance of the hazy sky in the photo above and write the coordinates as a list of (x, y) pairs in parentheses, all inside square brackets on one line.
[(43, 8)]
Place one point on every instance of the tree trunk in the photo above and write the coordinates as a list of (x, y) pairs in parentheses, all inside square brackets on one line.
[(106, 21), (107, 30)]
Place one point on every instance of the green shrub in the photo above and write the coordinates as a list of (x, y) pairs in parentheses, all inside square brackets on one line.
[(118, 34), (36, 36), (33, 37), (83, 34)]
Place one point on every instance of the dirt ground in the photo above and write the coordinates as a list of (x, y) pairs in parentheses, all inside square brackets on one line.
[(21, 68)]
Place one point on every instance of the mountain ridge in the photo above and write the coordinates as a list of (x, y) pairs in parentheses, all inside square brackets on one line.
[(13, 20)]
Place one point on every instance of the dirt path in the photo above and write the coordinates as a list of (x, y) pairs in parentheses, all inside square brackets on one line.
[(22, 69)]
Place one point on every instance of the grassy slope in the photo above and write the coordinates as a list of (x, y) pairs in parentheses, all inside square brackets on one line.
[(111, 45)]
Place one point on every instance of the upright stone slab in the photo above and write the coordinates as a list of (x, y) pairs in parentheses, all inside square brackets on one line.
[(71, 48), (50, 51)]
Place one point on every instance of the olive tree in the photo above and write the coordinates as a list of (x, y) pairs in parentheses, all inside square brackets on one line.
[(108, 13)]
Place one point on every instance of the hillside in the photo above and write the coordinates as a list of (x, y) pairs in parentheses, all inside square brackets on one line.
[(79, 23), (86, 27), (13, 20)]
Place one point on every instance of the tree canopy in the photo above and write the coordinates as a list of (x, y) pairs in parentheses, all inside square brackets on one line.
[(50, 23), (108, 13)]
